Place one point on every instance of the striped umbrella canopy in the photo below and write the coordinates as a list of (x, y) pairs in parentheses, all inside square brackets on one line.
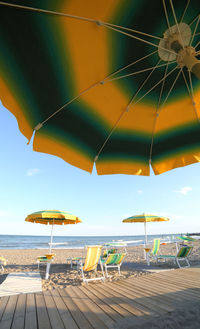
[(112, 83), (52, 217), (145, 218)]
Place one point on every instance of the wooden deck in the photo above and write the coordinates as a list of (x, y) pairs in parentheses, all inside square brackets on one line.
[(120, 304)]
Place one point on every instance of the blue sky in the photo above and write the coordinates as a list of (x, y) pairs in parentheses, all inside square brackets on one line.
[(32, 181)]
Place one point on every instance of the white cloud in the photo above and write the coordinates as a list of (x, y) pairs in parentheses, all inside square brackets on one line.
[(184, 190), (32, 172), (139, 191)]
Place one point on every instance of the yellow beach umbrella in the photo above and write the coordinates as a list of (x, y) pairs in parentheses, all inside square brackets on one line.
[(113, 83), (145, 218), (52, 217)]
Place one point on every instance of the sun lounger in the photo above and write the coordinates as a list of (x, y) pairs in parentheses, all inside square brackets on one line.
[(48, 258), (2, 263), (113, 260), (90, 264), (182, 255), (151, 253)]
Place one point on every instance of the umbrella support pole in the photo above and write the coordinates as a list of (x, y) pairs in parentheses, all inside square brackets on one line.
[(47, 270)]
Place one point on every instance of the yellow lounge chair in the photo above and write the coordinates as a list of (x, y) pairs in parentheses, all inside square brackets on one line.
[(151, 253), (2, 263), (90, 264)]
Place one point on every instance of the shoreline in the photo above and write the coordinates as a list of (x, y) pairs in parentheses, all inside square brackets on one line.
[(62, 276)]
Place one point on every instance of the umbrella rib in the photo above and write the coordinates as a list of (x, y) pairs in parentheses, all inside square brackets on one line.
[(196, 26), (122, 114), (155, 120), (131, 30), (192, 96), (39, 125), (156, 84), (137, 38), (190, 93), (166, 15), (131, 64), (186, 7), (45, 11), (174, 14), (138, 72)]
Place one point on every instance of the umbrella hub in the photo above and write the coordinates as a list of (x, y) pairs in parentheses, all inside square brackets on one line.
[(176, 45)]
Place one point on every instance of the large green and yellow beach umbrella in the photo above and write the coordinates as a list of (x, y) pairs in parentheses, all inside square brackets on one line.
[(113, 83), (52, 217), (145, 218)]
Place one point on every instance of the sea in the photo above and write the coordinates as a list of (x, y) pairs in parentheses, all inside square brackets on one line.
[(75, 242)]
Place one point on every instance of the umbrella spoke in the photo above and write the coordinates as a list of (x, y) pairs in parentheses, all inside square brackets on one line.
[(137, 38), (155, 120), (196, 26), (192, 96), (122, 114), (132, 30), (129, 65), (177, 25), (45, 11), (141, 71), (157, 84), (186, 7), (166, 15)]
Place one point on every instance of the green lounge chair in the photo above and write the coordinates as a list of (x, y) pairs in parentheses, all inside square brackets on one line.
[(152, 253), (113, 260), (182, 255)]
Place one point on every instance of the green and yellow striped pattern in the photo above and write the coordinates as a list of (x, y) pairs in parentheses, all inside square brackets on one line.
[(47, 60), (52, 217)]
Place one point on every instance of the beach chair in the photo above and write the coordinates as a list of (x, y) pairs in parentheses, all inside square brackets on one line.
[(2, 263), (44, 260), (113, 260), (182, 255), (151, 253), (90, 264)]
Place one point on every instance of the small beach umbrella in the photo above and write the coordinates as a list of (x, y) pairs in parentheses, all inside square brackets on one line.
[(52, 217), (145, 218), (113, 83)]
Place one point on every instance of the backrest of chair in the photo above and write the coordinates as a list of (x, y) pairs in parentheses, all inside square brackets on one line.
[(115, 259), (92, 258), (108, 252), (156, 246), (184, 251)]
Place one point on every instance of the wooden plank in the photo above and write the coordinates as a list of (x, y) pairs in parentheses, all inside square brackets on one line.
[(99, 300), (3, 303), (124, 301), (96, 307), (42, 315), (55, 319), (113, 301), (77, 315), (7, 318), (178, 283), (30, 317), (19, 316), (145, 290), (142, 299), (65, 315), (171, 288), (83, 303), (159, 289)]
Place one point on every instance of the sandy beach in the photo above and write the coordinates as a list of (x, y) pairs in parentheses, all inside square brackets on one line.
[(61, 274)]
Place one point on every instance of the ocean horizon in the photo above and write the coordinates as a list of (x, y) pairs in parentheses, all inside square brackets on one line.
[(75, 242)]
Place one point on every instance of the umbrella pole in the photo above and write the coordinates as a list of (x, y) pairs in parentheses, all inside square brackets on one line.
[(51, 238), (145, 232)]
